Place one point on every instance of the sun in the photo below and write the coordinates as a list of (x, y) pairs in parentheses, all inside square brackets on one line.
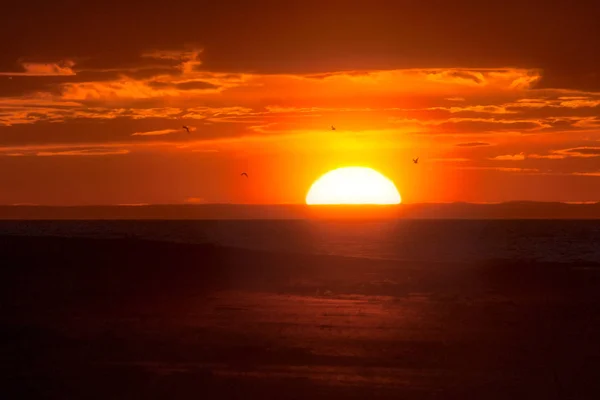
[(353, 185)]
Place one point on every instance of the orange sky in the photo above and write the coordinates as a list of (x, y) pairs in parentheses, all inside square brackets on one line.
[(500, 102)]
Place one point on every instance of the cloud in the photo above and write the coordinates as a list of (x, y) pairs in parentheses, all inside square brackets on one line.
[(584, 151), (451, 159), (214, 113), (46, 69), (461, 77), (504, 169), (529, 170), (130, 88), (23, 85), (578, 152), (72, 149), (188, 85), (379, 44), (473, 144), (481, 125), (509, 157), (83, 152), (513, 79), (150, 73), (477, 109), (157, 133), (121, 89), (580, 103), (154, 92), (175, 55), (346, 91), (547, 156), (83, 149), (586, 173)]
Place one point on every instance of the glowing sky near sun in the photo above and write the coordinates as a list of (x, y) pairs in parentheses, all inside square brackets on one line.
[(89, 117)]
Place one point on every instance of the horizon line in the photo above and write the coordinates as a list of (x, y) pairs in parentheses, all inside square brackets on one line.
[(141, 205)]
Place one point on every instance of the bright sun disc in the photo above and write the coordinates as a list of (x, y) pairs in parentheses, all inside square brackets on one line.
[(353, 185)]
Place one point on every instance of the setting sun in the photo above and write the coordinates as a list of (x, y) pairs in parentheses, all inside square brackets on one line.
[(353, 185)]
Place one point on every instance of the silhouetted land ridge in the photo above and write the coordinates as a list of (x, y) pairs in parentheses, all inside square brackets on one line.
[(121, 319), (508, 210)]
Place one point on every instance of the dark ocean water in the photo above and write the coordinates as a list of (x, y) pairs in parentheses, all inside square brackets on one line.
[(412, 240)]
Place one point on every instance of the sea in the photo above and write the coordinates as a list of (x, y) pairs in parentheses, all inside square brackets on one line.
[(564, 241)]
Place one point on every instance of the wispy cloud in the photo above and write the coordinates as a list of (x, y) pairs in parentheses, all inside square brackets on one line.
[(449, 159), (457, 76), (473, 144), (157, 133), (90, 152), (503, 169), (597, 173), (186, 85), (579, 103), (56, 148), (509, 157), (582, 152), (547, 156), (578, 152), (64, 68)]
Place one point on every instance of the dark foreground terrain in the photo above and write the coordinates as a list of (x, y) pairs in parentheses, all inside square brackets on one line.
[(127, 319)]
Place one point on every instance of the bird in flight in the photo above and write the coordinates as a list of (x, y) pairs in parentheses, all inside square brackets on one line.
[(332, 128), (187, 128), (244, 174), (416, 160)]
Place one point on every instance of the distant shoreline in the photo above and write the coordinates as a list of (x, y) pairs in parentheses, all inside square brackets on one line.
[(508, 210)]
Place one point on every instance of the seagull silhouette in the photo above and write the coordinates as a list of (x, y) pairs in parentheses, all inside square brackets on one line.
[(332, 128), (244, 174), (187, 128), (416, 160)]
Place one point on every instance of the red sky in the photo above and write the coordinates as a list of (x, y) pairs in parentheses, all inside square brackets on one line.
[(500, 100)]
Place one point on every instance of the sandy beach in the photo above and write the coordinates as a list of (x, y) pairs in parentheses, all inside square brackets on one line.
[(98, 319)]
